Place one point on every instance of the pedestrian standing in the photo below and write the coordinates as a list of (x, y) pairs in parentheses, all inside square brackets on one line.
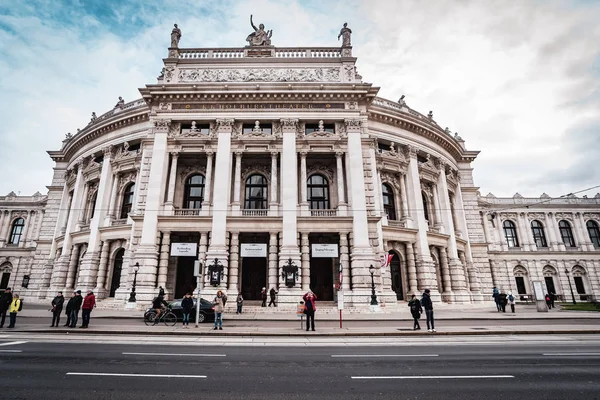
[(240, 303), (263, 296), (15, 307), (309, 309), (548, 301), (5, 300), (57, 306), (552, 299), (511, 301), (427, 304), (187, 304), (416, 310), (69, 308), (77, 300), (86, 309), (496, 296), (503, 300), (219, 303), (272, 294)]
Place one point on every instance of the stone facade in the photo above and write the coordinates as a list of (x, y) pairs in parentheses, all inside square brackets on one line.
[(255, 162)]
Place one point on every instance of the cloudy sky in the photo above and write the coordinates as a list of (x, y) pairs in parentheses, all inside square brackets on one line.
[(519, 80)]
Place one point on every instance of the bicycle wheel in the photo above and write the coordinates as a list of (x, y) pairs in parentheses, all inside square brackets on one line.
[(149, 317), (170, 319)]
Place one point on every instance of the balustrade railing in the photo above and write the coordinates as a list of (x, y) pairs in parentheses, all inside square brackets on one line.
[(323, 213), (289, 52), (187, 212), (254, 213)]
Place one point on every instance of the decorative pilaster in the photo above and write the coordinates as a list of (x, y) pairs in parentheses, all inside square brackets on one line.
[(412, 269), (72, 271), (172, 180), (345, 260), (303, 183), (436, 208), (234, 262), (273, 262), (404, 202), (289, 191), (551, 232), (208, 181), (583, 238), (163, 267), (341, 191), (524, 233), (305, 266), (112, 209), (236, 205), (82, 207), (27, 228), (274, 178)]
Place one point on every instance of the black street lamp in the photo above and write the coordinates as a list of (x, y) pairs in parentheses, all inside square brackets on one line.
[(570, 286), (289, 273), (373, 296), (136, 268)]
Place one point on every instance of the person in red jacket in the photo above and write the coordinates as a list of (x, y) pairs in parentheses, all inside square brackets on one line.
[(309, 309), (86, 309)]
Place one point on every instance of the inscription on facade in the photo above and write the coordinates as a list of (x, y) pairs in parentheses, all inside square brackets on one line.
[(260, 75)]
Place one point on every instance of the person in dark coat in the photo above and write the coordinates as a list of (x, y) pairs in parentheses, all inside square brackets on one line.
[(5, 300), (69, 308), (503, 300), (187, 304), (86, 309), (272, 294), (263, 296), (75, 307), (57, 306), (416, 310), (427, 304)]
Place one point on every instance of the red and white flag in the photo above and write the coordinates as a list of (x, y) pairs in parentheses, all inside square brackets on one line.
[(386, 259)]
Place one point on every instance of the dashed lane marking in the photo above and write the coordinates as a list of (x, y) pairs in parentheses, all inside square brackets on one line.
[(11, 351), (175, 354), (573, 354), (437, 377), (133, 375), (381, 355), (12, 343)]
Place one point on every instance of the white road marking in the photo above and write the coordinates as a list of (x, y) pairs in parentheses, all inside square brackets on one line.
[(133, 375), (11, 351), (437, 377), (572, 354), (12, 343), (381, 355), (175, 354)]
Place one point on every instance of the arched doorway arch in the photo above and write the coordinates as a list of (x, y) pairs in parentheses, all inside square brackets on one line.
[(115, 280), (5, 270), (396, 274)]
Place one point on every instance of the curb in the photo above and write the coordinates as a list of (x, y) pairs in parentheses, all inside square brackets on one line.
[(318, 334)]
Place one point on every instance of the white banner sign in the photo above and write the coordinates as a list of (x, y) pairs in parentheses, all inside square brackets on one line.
[(538, 290), (253, 249), (184, 249), (320, 250)]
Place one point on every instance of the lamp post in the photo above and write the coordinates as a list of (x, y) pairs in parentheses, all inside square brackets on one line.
[(136, 268), (570, 285), (373, 296)]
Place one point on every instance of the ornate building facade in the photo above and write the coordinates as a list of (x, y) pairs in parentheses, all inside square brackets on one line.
[(280, 167)]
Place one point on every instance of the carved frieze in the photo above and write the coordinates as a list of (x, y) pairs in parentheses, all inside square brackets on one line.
[(391, 179), (169, 72), (225, 124), (428, 170), (536, 216), (161, 125), (126, 178), (566, 216), (321, 169), (593, 216), (262, 169), (410, 151), (187, 170), (289, 124), (509, 216), (353, 124), (323, 74)]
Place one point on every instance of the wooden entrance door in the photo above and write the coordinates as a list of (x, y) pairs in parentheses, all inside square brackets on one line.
[(254, 277)]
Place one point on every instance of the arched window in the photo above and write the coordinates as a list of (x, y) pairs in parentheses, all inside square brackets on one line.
[(17, 231), (594, 232), (510, 233), (538, 234), (194, 192), (318, 192), (425, 207), (566, 233), (388, 202), (127, 200), (256, 192)]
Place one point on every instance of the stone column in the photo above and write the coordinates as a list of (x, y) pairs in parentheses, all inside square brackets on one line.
[(411, 269), (274, 178), (71, 272), (273, 269), (345, 260), (501, 237), (147, 251), (341, 191), (289, 192), (234, 262), (446, 275), (208, 181), (439, 224), (112, 209), (556, 231), (404, 202), (82, 207), (222, 189), (303, 183), (581, 234), (2, 222), (305, 266), (426, 274), (172, 180), (163, 266), (523, 231), (237, 186), (550, 232), (100, 290)]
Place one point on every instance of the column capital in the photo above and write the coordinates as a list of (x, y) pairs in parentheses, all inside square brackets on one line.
[(303, 153), (239, 153), (225, 124), (161, 125), (353, 124), (107, 151), (410, 151), (339, 154), (175, 154), (289, 124), (274, 153)]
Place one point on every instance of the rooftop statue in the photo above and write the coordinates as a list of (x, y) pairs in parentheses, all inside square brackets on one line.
[(259, 37), (345, 33), (175, 36), (120, 104)]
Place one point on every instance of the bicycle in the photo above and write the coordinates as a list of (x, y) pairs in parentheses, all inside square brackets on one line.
[(167, 317)]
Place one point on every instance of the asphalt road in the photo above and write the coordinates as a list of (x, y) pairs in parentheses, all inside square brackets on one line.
[(509, 370)]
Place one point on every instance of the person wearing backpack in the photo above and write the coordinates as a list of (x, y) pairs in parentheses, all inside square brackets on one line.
[(511, 301), (15, 306), (416, 310)]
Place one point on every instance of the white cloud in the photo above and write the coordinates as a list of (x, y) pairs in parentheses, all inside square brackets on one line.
[(515, 79)]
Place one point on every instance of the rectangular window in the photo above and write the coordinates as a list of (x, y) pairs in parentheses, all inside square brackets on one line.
[(311, 128), (520, 285), (549, 284), (579, 284)]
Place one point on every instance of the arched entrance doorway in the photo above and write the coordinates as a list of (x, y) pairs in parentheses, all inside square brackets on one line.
[(254, 277), (115, 281), (396, 273)]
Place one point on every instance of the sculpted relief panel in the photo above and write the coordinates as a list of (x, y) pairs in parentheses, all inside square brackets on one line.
[(260, 75)]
